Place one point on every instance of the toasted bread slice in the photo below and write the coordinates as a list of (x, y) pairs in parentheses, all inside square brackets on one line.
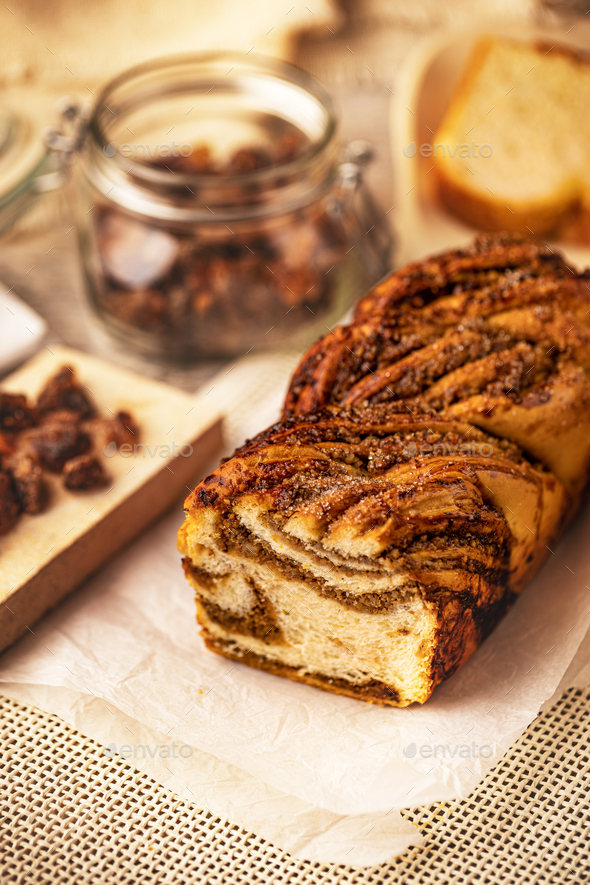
[(513, 148)]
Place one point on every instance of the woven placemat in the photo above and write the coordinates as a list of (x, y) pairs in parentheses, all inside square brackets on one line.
[(73, 813)]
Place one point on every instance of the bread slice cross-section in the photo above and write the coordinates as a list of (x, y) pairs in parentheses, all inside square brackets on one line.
[(366, 552), (513, 149)]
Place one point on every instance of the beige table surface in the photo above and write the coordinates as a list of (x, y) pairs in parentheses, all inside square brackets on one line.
[(75, 814)]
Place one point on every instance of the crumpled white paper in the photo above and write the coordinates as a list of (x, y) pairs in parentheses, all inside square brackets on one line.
[(129, 637)]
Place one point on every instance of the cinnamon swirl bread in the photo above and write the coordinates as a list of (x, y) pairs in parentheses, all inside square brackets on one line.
[(429, 454)]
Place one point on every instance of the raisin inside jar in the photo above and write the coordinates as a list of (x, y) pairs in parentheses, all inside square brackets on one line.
[(221, 289), (288, 145)]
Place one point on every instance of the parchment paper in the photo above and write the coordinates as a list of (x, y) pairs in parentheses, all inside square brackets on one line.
[(130, 638)]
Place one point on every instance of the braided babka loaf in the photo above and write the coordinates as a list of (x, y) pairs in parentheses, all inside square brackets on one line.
[(429, 454)]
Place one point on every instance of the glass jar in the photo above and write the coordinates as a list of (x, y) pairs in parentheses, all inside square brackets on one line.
[(216, 212)]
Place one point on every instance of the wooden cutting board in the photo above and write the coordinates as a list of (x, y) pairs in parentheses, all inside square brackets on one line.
[(46, 555)]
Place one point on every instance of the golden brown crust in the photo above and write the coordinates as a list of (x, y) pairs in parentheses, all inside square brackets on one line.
[(475, 209), (497, 334), (389, 486)]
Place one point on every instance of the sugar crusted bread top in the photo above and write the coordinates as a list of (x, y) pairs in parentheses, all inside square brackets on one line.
[(497, 335)]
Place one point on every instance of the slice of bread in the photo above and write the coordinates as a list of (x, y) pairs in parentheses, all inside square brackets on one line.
[(513, 148)]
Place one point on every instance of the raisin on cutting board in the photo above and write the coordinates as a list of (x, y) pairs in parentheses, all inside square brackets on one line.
[(15, 412), (83, 473), (58, 439), (9, 508), (25, 470), (63, 391)]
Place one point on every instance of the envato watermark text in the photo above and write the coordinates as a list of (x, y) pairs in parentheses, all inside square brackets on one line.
[(145, 751), (475, 449), (146, 150), (444, 751), (133, 451), (443, 150)]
